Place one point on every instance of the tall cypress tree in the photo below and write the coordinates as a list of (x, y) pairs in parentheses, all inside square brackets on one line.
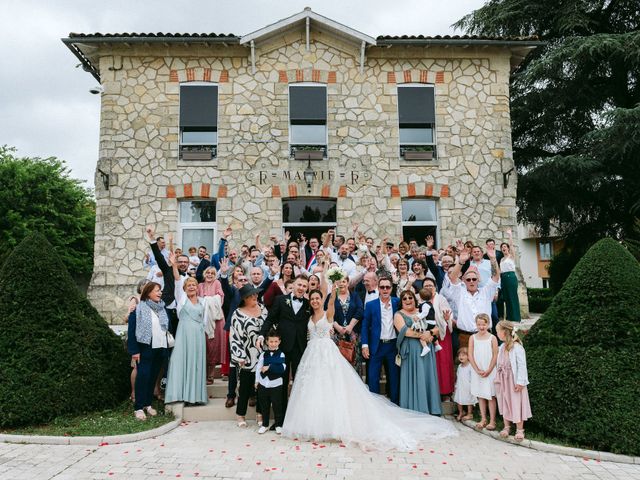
[(57, 355), (575, 107)]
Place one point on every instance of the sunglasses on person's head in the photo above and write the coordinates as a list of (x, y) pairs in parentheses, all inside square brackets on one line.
[(470, 279)]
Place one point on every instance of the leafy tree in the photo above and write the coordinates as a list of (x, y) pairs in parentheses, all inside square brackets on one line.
[(57, 355), (37, 194), (583, 354), (575, 111)]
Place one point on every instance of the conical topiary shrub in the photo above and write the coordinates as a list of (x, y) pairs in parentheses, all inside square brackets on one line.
[(583, 354), (57, 355)]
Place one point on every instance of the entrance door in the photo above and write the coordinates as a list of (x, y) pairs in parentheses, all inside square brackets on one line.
[(310, 217)]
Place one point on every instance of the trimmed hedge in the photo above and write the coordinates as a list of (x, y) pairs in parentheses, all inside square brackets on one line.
[(539, 299), (57, 355), (583, 354)]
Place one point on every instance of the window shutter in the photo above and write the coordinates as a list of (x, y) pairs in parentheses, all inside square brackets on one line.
[(416, 105), (308, 105), (199, 106)]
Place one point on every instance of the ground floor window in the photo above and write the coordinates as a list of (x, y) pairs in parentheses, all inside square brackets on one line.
[(419, 219), (197, 226), (308, 216)]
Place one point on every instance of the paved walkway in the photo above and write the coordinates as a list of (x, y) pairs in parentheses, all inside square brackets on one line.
[(221, 450)]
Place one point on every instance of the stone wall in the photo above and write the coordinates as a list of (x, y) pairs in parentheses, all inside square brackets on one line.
[(139, 144)]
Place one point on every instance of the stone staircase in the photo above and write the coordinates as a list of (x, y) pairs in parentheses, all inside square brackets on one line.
[(215, 409)]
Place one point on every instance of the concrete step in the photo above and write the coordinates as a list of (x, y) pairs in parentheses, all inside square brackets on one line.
[(215, 411)]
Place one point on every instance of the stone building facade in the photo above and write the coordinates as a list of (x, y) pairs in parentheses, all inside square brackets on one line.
[(464, 188)]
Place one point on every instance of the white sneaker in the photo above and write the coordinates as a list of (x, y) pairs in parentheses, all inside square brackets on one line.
[(425, 351), (151, 411), (438, 348), (279, 430), (139, 414), (262, 430)]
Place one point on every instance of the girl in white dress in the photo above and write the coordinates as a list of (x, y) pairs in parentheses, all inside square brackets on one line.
[(483, 355), (462, 395), (329, 401)]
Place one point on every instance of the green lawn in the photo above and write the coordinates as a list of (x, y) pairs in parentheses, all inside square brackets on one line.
[(117, 421)]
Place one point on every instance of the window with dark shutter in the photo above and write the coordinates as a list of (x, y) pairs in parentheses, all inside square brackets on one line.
[(198, 121), (417, 118), (308, 121)]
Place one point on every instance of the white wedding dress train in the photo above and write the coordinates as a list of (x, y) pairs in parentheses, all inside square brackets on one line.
[(329, 401)]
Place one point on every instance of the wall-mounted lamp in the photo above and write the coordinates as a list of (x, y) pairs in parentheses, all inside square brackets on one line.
[(309, 175), (505, 177), (105, 179)]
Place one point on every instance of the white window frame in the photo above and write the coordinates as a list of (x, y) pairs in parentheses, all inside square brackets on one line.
[(326, 122), (183, 226), (423, 223), (198, 84), (545, 258), (434, 129)]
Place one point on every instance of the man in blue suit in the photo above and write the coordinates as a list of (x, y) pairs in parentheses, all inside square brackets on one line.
[(379, 339)]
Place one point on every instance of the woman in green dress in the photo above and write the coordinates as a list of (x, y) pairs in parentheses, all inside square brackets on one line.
[(419, 388), (508, 283), (186, 380)]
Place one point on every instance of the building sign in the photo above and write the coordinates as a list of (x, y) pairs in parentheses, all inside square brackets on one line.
[(266, 177)]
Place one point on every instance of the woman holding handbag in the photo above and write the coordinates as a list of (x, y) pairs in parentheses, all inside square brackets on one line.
[(151, 329), (346, 322)]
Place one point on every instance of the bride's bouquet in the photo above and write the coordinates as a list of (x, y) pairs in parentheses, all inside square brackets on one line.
[(335, 274)]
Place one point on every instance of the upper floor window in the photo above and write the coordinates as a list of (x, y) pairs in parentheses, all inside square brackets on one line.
[(198, 121), (308, 121), (545, 250), (417, 119)]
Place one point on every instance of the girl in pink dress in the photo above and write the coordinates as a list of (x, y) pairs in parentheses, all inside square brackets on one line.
[(216, 346), (511, 381)]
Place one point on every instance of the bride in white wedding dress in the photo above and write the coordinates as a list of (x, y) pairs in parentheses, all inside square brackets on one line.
[(329, 401)]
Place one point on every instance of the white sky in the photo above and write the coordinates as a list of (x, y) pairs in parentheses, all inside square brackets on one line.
[(45, 105)]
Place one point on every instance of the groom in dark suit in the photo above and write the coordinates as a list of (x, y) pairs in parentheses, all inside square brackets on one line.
[(290, 315), (379, 340)]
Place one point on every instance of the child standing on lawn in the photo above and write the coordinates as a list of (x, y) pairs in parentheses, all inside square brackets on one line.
[(462, 395), (483, 355), (511, 381)]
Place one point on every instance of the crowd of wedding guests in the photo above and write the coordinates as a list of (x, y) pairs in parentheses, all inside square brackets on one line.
[(411, 310)]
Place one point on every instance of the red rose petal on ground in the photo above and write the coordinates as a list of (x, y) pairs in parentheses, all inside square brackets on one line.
[(210, 450), (110, 473), (318, 464), (281, 453), (274, 468), (258, 463), (426, 473), (124, 453), (247, 444), (444, 463), (414, 466), (162, 444), (273, 440), (410, 453), (161, 472), (421, 449), (223, 451), (196, 474), (585, 459), (343, 446), (139, 450), (239, 459), (432, 451), (178, 475)]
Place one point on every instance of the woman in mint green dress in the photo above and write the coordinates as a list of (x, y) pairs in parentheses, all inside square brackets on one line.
[(186, 380), (419, 388)]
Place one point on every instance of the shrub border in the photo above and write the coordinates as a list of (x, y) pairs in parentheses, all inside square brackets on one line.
[(559, 449), (93, 440)]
